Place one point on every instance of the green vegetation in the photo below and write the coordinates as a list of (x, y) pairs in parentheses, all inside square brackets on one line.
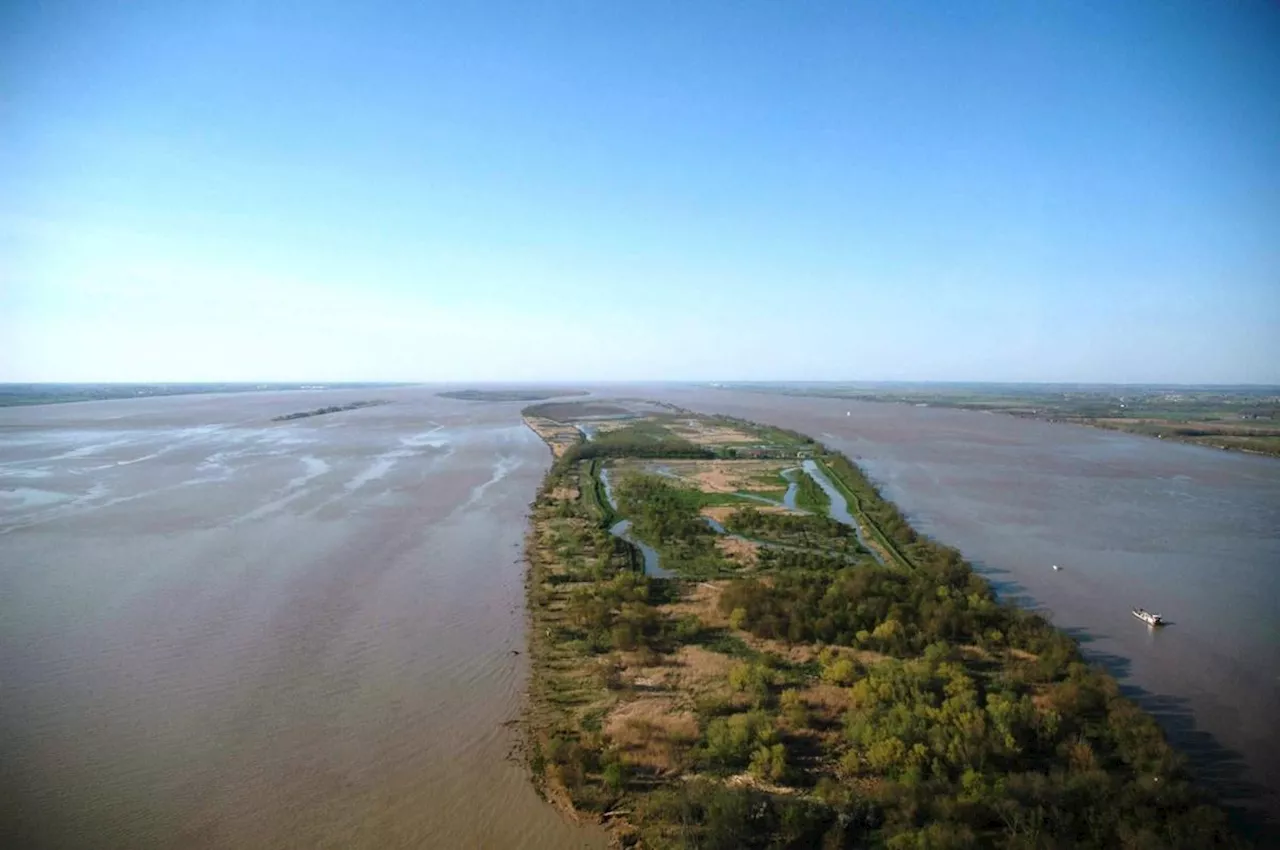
[(641, 440), (805, 531), (322, 411), (809, 496), (807, 696), (668, 518), (879, 518), (567, 411)]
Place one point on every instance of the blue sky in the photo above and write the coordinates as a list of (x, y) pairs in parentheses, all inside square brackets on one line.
[(738, 190)]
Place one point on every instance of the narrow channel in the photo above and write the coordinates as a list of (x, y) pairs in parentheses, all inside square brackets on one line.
[(793, 489), (622, 530), (839, 510)]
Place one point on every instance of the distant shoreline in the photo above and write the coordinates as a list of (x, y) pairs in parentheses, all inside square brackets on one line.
[(32, 395), (1227, 419), (509, 395)]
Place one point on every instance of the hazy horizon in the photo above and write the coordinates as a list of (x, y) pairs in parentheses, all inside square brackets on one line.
[(1054, 193), (573, 385)]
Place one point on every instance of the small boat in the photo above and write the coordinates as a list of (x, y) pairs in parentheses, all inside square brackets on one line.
[(1057, 568), (1147, 617)]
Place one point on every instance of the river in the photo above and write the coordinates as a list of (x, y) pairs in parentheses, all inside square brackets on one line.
[(221, 631), (1192, 533)]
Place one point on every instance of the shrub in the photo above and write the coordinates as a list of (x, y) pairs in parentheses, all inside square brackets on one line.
[(615, 776), (752, 679), (842, 671), (769, 762), (794, 709), (731, 740)]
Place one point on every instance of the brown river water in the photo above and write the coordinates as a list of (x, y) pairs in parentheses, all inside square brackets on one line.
[(220, 631), (1190, 532)]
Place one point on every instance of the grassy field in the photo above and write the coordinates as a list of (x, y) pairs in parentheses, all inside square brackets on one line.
[(787, 690)]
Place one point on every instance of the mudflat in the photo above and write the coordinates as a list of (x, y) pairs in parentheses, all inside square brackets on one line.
[(223, 631)]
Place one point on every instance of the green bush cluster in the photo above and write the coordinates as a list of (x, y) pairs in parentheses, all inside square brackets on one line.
[(1082, 767), (618, 614), (815, 532), (810, 496)]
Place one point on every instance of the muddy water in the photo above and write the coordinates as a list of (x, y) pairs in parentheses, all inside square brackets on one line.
[(220, 631), (1190, 532)]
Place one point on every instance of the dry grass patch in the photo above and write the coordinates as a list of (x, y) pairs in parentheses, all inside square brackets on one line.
[(712, 435), (726, 476), (651, 732), (829, 701), (868, 657), (793, 653), (558, 436), (702, 601), (646, 670), (721, 513), (700, 670), (746, 780), (742, 551)]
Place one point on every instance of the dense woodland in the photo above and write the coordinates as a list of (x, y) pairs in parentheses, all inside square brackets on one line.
[(966, 722)]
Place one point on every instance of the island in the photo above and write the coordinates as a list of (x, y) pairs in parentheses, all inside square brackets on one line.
[(508, 395), (737, 641), (324, 411)]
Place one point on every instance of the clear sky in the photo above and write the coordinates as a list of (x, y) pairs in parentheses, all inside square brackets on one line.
[(1075, 191)]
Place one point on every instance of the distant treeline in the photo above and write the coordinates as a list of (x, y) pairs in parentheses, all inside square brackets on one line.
[(564, 411), (321, 411), (624, 443), (507, 395)]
